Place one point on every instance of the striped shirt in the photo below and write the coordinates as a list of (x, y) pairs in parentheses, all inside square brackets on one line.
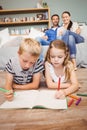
[(21, 76)]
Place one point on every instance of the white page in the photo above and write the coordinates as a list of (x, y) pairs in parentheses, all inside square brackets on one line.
[(31, 98), (46, 98), (22, 99)]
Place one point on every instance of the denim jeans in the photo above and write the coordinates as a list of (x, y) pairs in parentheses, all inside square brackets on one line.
[(71, 39), (42, 41), (70, 42)]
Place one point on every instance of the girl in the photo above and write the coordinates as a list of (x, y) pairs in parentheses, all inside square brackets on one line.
[(58, 64)]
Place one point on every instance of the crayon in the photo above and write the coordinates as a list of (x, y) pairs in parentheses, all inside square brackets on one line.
[(82, 94), (74, 97), (78, 101), (59, 83), (4, 90), (70, 102)]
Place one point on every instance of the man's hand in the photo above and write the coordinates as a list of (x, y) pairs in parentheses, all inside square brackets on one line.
[(45, 37)]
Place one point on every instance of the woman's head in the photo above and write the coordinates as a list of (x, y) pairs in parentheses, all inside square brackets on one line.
[(66, 18), (29, 51), (58, 53)]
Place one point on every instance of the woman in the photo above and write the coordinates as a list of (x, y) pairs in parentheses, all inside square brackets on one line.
[(74, 37)]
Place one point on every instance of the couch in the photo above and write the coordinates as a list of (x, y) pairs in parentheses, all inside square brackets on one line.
[(9, 46)]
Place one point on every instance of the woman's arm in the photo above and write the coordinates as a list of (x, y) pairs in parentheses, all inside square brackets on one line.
[(33, 85)]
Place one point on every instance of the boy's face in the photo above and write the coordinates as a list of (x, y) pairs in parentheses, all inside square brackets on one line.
[(26, 60)]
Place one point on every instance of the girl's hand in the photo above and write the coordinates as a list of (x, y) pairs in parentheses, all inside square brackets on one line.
[(60, 94), (9, 95)]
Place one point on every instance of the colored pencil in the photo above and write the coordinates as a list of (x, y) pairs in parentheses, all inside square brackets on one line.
[(82, 94), (59, 83), (74, 97), (78, 101), (4, 90), (70, 102)]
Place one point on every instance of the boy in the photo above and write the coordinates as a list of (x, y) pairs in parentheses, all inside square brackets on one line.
[(23, 71)]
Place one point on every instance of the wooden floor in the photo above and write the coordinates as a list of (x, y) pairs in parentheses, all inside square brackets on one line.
[(74, 118)]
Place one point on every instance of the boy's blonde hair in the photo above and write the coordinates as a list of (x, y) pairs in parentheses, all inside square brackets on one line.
[(59, 44), (31, 46)]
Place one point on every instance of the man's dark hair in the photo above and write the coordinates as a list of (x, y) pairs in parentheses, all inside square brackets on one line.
[(55, 15)]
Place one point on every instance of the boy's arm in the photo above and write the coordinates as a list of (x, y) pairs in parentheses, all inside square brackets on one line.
[(33, 85), (8, 86), (9, 81)]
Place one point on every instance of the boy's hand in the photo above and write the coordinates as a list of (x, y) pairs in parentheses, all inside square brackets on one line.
[(9, 95), (60, 94)]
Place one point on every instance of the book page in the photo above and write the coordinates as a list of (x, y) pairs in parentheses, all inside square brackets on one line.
[(35, 99), (46, 99), (22, 99)]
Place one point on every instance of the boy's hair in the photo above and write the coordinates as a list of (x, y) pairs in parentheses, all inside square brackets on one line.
[(55, 15), (31, 46), (59, 44)]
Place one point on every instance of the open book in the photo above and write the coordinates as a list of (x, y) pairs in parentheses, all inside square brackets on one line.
[(35, 99)]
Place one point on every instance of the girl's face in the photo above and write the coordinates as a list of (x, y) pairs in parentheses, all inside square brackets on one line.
[(57, 57), (66, 18), (26, 60)]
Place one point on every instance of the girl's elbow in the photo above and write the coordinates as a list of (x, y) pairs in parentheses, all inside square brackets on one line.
[(49, 85)]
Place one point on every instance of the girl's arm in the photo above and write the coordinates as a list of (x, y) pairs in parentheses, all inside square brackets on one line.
[(74, 84), (33, 85), (73, 87)]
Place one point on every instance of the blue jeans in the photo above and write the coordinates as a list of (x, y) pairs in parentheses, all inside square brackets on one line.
[(70, 42), (71, 39), (42, 41)]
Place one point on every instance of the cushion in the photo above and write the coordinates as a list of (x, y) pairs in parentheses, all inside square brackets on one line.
[(4, 36), (5, 54), (34, 33), (13, 42)]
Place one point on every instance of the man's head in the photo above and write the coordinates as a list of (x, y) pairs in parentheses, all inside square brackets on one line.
[(55, 20)]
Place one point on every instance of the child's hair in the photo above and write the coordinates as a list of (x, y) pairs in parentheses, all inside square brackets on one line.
[(31, 46), (59, 44), (70, 24)]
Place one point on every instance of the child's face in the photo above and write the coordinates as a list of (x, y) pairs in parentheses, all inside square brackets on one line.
[(57, 56), (27, 60)]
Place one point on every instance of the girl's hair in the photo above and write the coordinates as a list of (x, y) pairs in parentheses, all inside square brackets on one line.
[(71, 23), (59, 44), (30, 46)]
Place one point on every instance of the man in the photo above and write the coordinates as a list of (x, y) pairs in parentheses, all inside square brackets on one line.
[(50, 34)]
